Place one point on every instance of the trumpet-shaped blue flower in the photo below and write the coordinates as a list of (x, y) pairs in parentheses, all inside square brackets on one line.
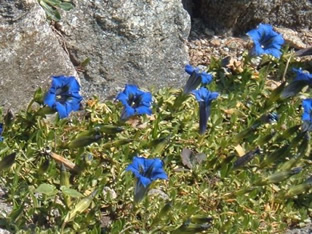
[(204, 97), (302, 79), (266, 41), (1, 130), (197, 77), (63, 96), (135, 102), (307, 114), (146, 171), (302, 76)]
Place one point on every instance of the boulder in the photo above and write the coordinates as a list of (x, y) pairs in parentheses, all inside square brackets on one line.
[(29, 52), (238, 16), (139, 42)]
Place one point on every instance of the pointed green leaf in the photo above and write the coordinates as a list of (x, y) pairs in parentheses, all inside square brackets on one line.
[(83, 141), (80, 207), (85, 62), (7, 161), (52, 2), (71, 192), (50, 11), (293, 88), (47, 189), (66, 6)]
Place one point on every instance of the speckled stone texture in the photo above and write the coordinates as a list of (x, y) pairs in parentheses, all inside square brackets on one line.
[(139, 42), (29, 52), (238, 16)]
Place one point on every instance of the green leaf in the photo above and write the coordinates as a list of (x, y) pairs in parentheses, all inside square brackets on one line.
[(44, 166), (108, 129), (159, 144), (66, 6), (53, 2), (47, 189), (70, 192), (39, 96), (84, 141), (50, 11), (7, 161), (85, 62), (163, 213), (80, 207), (293, 88), (274, 95)]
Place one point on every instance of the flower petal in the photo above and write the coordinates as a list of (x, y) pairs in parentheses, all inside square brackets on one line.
[(147, 170), (206, 78), (139, 191), (143, 110), (146, 99), (135, 101), (49, 99), (192, 83), (307, 110), (68, 88), (204, 113), (127, 112), (1, 130), (123, 98), (302, 75), (130, 89), (204, 95), (266, 41), (189, 69)]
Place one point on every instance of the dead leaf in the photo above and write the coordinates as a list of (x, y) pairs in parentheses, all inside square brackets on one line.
[(66, 162), (240, 150), (186, 158), (190, 160)]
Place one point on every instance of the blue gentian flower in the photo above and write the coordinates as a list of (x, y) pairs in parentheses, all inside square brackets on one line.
[(63, 96), (146, 171), (197, 77), (1, 130), (135, 102), (302, 79), (307, 114), (266, 41), (302, 75), (204, 97)]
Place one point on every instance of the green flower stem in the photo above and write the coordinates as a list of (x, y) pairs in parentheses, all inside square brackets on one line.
[(179, 100), (30, 104), (287, 65)]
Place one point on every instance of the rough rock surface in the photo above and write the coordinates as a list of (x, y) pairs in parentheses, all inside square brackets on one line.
[(29, 52), (5, 208), (203, 44), (304, 230), (139, 42), (238, 16)]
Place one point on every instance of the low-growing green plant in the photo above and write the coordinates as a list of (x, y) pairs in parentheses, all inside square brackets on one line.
[(241, 164), (52, 7)]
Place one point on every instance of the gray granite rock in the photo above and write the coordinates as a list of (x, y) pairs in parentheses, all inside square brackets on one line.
[(29, 52), (304, 230), (5, 209), (139, 42), (3, 231), (238, 16)]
